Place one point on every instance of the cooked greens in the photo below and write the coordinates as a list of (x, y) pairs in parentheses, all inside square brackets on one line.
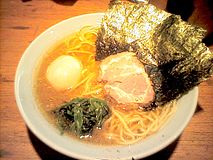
[(170, 49), (82, 115)]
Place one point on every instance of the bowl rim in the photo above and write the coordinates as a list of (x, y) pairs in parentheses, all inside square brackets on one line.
[(54, 146)]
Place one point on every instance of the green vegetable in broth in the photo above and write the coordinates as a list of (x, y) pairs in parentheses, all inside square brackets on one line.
[(82, 115)]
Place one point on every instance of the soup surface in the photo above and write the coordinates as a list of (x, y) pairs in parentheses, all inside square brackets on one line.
[(126, 124)]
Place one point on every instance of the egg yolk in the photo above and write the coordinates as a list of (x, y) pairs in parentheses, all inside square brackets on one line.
[(64, 72)]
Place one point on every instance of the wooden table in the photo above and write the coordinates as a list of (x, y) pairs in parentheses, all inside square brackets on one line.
[(21, 22)]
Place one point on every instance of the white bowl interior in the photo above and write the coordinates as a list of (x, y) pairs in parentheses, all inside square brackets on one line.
[(39, 125)]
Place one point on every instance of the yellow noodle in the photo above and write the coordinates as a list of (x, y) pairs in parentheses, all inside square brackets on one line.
[(80, 51), (82, 81), (88, 82), (93, 92), (127, 133)]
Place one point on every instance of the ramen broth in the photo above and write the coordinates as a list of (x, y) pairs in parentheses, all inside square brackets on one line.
[(83, 49)]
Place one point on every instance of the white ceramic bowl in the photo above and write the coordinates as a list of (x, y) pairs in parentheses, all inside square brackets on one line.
[(71, 147)]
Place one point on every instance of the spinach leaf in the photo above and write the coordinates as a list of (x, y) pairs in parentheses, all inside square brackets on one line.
[(82, 115)]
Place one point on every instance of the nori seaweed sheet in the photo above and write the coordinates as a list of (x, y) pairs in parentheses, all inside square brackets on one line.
[(171, 49)]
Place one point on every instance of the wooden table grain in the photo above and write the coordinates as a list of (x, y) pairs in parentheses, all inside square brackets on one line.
[(21, 22)]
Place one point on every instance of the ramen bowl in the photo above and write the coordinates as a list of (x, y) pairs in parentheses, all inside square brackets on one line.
[(51, 136)]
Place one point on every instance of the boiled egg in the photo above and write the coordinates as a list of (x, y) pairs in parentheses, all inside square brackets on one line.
[(64, 72)]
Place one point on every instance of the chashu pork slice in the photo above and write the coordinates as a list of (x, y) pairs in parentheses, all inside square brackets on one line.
[(126, 79)]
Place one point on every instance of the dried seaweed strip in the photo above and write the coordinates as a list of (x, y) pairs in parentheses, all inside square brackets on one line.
[(125, 23), (170, 49), (111, 26), (181, 67)]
